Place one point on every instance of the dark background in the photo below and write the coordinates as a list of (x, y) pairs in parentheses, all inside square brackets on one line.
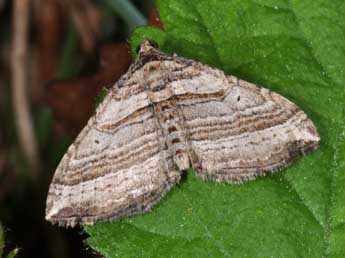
[(53, 63)]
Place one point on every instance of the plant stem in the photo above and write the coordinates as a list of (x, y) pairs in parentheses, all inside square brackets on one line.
[(66, 67), (127, 11), (19, 66)]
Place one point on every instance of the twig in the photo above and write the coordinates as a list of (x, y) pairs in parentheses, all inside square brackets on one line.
[(19, 79)]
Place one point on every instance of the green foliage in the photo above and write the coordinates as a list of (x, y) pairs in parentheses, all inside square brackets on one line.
[(67, 68), (295, 48), (13, 253), (101, 96)]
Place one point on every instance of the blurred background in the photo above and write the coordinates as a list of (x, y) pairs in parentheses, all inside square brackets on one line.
[(55, 58)]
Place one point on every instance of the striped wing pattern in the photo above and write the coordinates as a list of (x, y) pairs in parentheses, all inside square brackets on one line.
[(165, 114), (112, 170), (247, 132)]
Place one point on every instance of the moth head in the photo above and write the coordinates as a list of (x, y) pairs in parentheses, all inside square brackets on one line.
[(147, 47)]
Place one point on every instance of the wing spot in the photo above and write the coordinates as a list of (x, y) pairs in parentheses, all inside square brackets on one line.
[(97, 141), (175, 140), (178, 152), (172, 129), (168, 117), (165, 107), (238, 98), (153, 68)]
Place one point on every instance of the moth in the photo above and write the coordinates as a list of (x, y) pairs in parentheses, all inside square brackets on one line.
[(165, 114)]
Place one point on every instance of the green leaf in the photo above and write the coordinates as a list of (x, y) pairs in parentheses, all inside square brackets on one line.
[(101, 95), (296, 48), (11, 254)]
